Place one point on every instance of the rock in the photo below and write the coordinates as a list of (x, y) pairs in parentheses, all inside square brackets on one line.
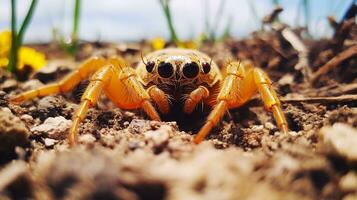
[(26, 118), (13, 133), (15, 181), (31, 84), (160, 137), (350, 197), (257, 128), (52, 71), (86, 139), (49, 142), (286, 80), (139, 126), (49, 106), (340, 139), (270, 126), (3, 99), (54, 127), (9, 85), (348, 183), (48, 102)]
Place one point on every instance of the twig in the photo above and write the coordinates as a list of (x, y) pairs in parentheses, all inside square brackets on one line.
[(333, 90), (273, 16), (294, 40), (325, 100), (342, 32), (334, 62), (299, 46)]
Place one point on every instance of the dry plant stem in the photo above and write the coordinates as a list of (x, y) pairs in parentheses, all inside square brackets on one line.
[(325, 100), (300, 47), (335, 90), (273, 16), (352, 51)]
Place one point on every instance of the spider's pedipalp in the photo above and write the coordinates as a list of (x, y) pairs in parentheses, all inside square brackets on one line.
[(160, 98), (195, 97)]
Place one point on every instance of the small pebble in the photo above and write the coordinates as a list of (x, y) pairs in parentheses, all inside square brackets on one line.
[(9, 84), (49, 142), (270, 126), (54, 127), (86, 139), (160, 136), (348, 183), (26, 117)]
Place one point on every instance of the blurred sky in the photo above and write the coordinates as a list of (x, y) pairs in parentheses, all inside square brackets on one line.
[(117, 20)]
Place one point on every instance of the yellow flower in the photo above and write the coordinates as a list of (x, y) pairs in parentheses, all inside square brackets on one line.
[(27, 56), (189, 44), (158, 43), (31, 57), (5, 43)]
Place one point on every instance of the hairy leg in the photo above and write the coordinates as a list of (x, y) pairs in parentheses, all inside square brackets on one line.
[(160, 99), (270, 98), (240, 84), (98, 81), (66, 84), (195, 97)]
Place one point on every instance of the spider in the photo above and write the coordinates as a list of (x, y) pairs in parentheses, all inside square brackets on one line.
[(163, 78)]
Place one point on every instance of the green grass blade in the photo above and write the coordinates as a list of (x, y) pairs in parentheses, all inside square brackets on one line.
[(17, 38), (217, 21), (166, 8), (13, 52), (254, 12), (26, 22), (76, 17)]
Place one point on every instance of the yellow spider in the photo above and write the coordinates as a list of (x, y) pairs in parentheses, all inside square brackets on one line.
[(163, 78)]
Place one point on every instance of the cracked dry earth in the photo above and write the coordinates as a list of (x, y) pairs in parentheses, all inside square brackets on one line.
[(122, 155)]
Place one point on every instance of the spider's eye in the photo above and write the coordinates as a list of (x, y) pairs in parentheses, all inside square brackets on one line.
[(165, 69), (150, 66), (190, 70), (206, 67)]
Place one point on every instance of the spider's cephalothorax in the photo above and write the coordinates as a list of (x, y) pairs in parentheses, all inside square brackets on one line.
[(163, 78), (178, 72)]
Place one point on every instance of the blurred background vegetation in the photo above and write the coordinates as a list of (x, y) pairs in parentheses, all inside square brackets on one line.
[(186, 23), (134, 20)]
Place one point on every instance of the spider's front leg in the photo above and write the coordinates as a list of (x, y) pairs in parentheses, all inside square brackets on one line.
[(240, 84), (66, 84), (121, 86), (99, 80)]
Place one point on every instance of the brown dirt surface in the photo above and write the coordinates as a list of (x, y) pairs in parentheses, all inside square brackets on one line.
[(123, 155)]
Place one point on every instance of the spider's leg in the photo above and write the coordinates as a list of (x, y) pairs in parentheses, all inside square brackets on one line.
[(99, 80), (195, 97), (270, 98), (235, 90), (160, 98), (212, 119), (240, 84), (66, 84), (127, 92)]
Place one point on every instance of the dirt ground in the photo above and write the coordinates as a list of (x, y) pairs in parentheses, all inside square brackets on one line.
[(123, 155)]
